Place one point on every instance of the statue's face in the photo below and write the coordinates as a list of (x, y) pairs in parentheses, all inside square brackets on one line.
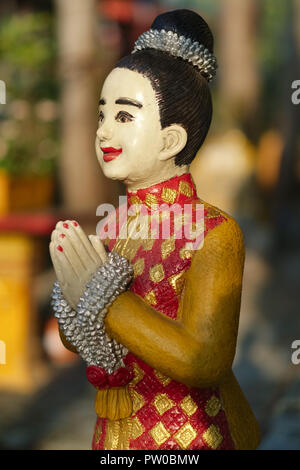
[(129, 137)]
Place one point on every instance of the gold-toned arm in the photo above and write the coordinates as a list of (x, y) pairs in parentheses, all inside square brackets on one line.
[(199, 348)]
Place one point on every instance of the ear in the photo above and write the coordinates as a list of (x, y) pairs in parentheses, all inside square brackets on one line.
[(174, 138)]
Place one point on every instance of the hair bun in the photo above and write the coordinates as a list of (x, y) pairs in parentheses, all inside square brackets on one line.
[(186, 23), (169, 33)]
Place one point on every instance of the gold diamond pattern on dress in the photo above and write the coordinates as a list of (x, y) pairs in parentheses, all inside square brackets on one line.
[(185, 435), (167, 247), (137, 428), (138, 374), (184, 253), (151, 298), (150, 199), (156, 273), (135, 200), (177, 282), (168, 195), (213, 406), (212, 212), (159, 434), (148, 243), (212, 436), (162, 378), (162, 403), (188, 405), (185, 188), (138, 267), (137, 400)]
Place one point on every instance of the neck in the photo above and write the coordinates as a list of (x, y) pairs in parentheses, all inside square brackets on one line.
[(156, 179), (179, 189)]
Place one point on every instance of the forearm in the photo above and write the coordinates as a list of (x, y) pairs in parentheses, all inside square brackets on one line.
[(164, 344)]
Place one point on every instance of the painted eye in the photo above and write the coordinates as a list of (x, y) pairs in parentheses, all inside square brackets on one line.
[(101, 116), (123, 117)]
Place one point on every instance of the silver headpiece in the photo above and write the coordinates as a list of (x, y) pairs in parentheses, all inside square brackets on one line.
[(179, 46)]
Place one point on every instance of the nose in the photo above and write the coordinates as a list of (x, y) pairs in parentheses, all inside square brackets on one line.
[(104, 132)]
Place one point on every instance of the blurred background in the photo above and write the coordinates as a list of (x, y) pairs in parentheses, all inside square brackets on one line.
[(54, 56)]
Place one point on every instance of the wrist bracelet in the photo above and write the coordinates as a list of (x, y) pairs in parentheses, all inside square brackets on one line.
[(85, 329)]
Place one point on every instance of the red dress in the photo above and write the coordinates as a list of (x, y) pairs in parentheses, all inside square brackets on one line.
[(166, 414)]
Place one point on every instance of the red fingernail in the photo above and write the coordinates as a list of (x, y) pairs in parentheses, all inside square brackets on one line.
[(75, 224), (60, 248), (62, 235), (66, 225)]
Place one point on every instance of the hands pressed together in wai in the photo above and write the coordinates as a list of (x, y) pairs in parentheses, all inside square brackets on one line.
[(88, 281)]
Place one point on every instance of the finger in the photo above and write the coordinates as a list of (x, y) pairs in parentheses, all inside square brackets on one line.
[(71, 256), (54, 234), (80, 233), (66, 270), (67, 229), (56, 264), (67, 255), (99, 248)]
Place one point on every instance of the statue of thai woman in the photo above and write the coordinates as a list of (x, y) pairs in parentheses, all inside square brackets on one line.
[(156, 317)]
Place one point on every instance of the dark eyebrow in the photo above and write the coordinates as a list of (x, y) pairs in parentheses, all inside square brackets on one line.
[(129, 102), (102, 101)]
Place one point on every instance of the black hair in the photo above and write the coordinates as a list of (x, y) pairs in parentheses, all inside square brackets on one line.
[(182, 92)]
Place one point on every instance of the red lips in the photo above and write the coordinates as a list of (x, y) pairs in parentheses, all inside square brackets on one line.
[(110, 153)]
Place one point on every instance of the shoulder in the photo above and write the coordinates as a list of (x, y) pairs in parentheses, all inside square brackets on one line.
[(223, 235)]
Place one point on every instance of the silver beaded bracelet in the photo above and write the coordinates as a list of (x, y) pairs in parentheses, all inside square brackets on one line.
[(84, 328)]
